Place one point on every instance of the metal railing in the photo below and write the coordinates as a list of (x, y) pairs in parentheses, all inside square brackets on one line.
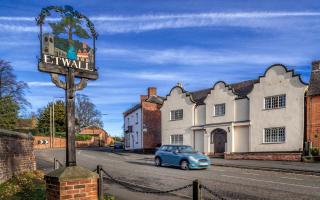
[(197, 187), (199, 190)]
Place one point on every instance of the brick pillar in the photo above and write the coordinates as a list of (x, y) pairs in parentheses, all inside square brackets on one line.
[(72, 183)]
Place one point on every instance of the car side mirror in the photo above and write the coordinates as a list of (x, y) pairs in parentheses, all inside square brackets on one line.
[(176, 151)]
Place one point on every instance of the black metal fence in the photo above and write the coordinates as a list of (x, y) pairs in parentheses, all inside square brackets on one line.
[(195, 190)]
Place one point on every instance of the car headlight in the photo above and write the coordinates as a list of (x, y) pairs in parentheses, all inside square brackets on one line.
[(191, 158)]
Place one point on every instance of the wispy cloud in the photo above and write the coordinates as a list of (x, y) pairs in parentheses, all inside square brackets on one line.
[(18, 28), (154, 76), (141, 23), (192, 56), (39, 84)]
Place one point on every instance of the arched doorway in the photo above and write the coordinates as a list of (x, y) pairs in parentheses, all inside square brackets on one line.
[(219, 138)]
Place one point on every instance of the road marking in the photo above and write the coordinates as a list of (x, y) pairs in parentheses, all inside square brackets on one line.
[(291, 184), (251, 173), (298, 179)]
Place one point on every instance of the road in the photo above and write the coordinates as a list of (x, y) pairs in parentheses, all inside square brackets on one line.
[(228, 182)]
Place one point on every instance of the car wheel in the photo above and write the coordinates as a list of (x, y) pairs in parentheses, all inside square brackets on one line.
[(184, 165), (157, 162)]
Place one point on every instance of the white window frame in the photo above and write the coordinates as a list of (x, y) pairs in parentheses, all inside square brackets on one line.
[(176, 139), (275, 102), (176, 115), (215, 110), (274, 135)]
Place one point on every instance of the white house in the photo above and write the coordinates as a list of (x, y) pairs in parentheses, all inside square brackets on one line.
[(133, 127), (262, 115), (142, 128)]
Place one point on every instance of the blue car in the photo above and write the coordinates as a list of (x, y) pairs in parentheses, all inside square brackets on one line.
[(182, 156)]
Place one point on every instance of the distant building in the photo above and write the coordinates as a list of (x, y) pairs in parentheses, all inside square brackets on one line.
[(142, 123), (26, 124), (313, 107), (96, 132)]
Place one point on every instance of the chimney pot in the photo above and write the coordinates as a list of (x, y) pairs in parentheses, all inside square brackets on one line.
[(152, 91)]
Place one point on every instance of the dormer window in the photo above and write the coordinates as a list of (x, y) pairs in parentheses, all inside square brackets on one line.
[(273, 102), (219, 109)]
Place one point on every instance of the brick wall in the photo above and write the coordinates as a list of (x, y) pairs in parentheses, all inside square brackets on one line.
[(152, 120), (313, 120), (61, 143), (264, 156), (74, 189), (16, 154)]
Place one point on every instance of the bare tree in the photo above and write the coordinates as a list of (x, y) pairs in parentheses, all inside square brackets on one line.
[(10, 87), (86, 112)]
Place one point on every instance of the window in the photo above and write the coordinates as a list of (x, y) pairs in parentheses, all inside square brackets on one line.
[(163, 148), (137, 118), (176, 115), (176, 139), (171, 148), (137, 137), (273, 102), (274, 135), (219, 109)]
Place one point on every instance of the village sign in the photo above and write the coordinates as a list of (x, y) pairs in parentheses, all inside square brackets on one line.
[(64, 50)]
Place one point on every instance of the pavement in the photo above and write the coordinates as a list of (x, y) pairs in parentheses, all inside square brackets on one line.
[(280, 166), (226, 182)]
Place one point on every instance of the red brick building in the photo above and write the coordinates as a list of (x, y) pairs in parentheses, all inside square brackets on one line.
[(313, 107), (142, 123), (97, 133)]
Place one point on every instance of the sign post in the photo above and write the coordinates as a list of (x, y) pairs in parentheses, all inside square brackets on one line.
[(63, 55)]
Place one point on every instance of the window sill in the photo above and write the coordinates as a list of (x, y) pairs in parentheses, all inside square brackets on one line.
[(273, 142), (171, 120), (273, 108), (218, 115)]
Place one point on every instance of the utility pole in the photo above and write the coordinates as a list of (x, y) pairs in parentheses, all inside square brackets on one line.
[(53, 126), (50, 111)]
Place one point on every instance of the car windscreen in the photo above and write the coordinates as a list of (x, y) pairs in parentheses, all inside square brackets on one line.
[(186, 149)]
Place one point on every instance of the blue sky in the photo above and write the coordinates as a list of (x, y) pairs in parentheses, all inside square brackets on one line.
[(159, 43)]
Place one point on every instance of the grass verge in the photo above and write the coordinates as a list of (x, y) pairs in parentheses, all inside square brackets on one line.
[(26, 186)]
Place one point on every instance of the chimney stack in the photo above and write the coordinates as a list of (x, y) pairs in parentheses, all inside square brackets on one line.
[(152, 91), (314, 84)]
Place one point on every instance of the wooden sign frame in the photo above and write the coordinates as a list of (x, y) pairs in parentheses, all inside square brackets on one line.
[(70, 74)]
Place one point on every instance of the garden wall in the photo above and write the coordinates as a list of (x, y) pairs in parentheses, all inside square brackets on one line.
[(284, 156), (16, 154), (60, 142)]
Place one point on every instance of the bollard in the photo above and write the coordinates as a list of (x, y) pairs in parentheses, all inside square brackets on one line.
[(196, 194), (55, 164), (100, 183)]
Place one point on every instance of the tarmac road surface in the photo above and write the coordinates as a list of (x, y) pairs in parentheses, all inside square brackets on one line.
[(226, 182)]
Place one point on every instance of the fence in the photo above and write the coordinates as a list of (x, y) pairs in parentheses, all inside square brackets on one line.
[(195, 190)]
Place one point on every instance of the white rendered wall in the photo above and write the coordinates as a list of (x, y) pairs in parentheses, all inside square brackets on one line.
[(277, 81)]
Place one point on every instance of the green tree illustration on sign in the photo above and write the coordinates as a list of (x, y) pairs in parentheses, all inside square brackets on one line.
[(71, 26)]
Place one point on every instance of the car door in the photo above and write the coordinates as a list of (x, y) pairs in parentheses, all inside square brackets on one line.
[(166, 155), (162, 153), (173, 156)]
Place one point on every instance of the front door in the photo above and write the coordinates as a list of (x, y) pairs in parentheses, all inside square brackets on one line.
[(219, 140)]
